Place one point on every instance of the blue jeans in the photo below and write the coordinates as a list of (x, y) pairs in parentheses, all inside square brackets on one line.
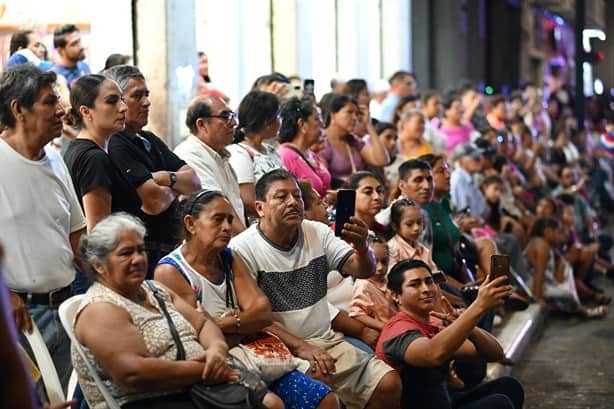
[(359, 344), (48, 322), (502, 393)]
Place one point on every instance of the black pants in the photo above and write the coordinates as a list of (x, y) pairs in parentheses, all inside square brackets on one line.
[(502, 393)]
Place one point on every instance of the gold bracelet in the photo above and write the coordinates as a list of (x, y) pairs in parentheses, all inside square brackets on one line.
[(238, 321)]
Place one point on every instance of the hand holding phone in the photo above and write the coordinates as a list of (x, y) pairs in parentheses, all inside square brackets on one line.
[(499, 265), (308, 87), (346, 205), (439, 277)]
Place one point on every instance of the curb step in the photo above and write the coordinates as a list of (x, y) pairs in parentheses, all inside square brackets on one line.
[(518, 329)]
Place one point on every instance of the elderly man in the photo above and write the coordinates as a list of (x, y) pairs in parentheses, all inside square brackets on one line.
[(39, 212), (158, 175), (465, 194), (290, 259), (211, 123)]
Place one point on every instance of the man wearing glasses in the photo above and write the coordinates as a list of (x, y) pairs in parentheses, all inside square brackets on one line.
[(158, 175), (211, 124)]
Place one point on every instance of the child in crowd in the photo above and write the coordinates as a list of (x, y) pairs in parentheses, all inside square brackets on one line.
[(372, 303), (406, 222)]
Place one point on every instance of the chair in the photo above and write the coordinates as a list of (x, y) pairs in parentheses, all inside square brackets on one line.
[(49, 374), (68, 311)]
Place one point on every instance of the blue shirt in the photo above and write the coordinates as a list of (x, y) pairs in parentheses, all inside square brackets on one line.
[(465, 193), (72, 74), (387, 108)]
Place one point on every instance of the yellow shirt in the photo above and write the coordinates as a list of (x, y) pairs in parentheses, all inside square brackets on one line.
[(424, 149)]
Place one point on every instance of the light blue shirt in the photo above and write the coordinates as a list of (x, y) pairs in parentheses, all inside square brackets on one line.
[(387, 108), (465, 193)]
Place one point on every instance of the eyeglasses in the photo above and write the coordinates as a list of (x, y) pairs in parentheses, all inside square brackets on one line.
[(228, 116)]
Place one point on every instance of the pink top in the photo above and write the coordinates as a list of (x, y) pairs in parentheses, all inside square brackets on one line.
[(314, 171), (372, 299), (400, 249), (456, 135)]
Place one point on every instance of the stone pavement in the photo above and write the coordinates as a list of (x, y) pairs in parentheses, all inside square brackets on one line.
[(571, 363)]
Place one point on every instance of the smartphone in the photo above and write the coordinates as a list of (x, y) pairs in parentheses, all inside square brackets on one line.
[(439, 277), (499, 265), (346, 202), (308, 88)]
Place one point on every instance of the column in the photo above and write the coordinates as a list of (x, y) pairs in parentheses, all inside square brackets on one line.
[(165, 43)]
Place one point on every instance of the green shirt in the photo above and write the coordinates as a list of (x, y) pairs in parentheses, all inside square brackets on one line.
[(442, 252)]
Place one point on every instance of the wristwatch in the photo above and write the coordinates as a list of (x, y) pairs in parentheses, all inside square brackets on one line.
[(173, 178)]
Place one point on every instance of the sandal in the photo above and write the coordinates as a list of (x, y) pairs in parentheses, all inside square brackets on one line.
[(602, 299), (516, 302), (594, 312)]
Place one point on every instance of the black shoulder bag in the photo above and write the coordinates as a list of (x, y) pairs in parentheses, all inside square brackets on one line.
[(220, 396)]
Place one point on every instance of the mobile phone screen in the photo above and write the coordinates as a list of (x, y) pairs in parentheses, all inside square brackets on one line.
[(346, 202), (499, 265), (308, 88), (439, 277)]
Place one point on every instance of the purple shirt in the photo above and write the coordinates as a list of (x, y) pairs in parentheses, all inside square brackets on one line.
[(338, 162)]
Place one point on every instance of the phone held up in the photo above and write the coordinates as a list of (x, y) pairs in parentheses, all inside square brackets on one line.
[(499, 265), (439, 277), (308, 88), (346, 201)]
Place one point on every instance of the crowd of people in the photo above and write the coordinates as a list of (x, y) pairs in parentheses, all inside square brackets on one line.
[(234, 230)]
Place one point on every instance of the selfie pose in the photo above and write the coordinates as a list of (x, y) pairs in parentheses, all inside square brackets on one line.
[(421, 350)]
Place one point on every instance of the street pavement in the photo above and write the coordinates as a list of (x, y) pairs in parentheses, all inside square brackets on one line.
[(570, 365)]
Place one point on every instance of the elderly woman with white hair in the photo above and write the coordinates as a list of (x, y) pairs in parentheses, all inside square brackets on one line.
[(125, 333)]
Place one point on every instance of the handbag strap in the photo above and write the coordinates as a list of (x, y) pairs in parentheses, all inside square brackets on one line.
[(298, 152), (225, 260), (169, 320), (351, 157)]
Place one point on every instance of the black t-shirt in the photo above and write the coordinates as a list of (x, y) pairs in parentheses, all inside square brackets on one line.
[(138, 156), (423, 387), (90, 168)]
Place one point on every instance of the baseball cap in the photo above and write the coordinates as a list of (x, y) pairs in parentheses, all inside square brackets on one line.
[(461, 151)]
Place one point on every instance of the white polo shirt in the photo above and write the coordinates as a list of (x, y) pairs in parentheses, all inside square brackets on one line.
[(213, 169)]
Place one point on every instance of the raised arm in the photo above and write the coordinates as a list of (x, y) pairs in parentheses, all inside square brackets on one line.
[(374, 154), (361, 264), (435, 351)]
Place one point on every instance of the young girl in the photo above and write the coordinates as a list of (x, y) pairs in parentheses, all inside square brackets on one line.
[(552, 276), (372, 303), (406, 222)]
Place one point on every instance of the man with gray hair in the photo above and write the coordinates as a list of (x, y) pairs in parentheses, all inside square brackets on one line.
[(39, 211), (157, 174)]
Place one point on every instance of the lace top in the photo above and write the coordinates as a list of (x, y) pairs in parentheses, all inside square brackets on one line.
[(156, 335)]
